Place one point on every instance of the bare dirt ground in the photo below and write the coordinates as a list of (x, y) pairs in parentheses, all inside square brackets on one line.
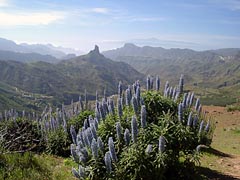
[(224, 157)]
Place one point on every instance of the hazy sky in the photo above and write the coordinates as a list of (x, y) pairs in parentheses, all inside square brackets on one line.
[(196, 24)]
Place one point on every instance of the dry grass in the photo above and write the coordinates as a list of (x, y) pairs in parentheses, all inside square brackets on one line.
[(224, 155)]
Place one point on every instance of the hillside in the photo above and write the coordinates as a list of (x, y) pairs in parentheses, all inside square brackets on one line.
[(12, 97), (8, 97), (26, 57), (215, 69), (68, 79), (97, 71), (204, 67)]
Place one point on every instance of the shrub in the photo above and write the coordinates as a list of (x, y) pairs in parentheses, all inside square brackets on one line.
[(162, 147), (78, 121), (20, 135), (58, 143), (157, 105)]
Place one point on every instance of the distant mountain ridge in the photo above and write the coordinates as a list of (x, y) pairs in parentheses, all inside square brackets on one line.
[(131, 50), (57, 52)]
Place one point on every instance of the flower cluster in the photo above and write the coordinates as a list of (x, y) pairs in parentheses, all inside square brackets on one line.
[(89, 150)]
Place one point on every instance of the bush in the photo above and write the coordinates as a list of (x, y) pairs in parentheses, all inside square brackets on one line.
[(78, 121), (107, 129), (58, 143), (163, 148), (158, 105), (20, 136)]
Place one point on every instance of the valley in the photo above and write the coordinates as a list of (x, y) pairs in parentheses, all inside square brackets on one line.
[(66, 80), (214, 74), (119, 90), (31, 84)]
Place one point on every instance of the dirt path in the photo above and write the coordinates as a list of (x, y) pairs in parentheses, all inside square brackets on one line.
[(232, 164), (225, 157)]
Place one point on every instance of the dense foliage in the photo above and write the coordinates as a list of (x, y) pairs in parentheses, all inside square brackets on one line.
[(147, 136), (137, 134), (21, 134), (57, 143), (61, 82)]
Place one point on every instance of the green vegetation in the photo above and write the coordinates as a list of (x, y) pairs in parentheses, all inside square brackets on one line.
[(26, 153), (22, 166), (215, 70), (156, 104), (12, 97), (58, 143), (236, 130), (78, 121), (163, 148), (177, 158), (218, 100), (28, 166), (234, 107), (63, 81)]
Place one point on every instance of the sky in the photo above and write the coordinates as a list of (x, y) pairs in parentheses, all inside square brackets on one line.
[(80, 24)]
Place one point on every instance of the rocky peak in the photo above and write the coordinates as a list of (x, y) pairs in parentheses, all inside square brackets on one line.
[(130, 45), (95, 51), (94, 54)]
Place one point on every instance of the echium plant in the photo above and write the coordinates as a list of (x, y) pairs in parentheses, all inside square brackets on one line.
[(134, 128), (118, 130), (120, 89), (128, 97), (148, 83), (145, 139), (157, 83), (181, 84), (143, 116)]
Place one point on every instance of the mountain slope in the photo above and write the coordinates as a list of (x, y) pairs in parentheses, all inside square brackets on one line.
[(211, 68), (68, 79), (12, 97), (26, 57), (213, 74), (105, 71)]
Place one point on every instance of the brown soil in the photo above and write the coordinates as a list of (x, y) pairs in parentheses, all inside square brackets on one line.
[(226, 144)]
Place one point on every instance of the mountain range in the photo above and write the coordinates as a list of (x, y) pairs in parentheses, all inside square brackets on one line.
[(67, 79), (57, 52), (213, 72), (32, 79), (197, 66)]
